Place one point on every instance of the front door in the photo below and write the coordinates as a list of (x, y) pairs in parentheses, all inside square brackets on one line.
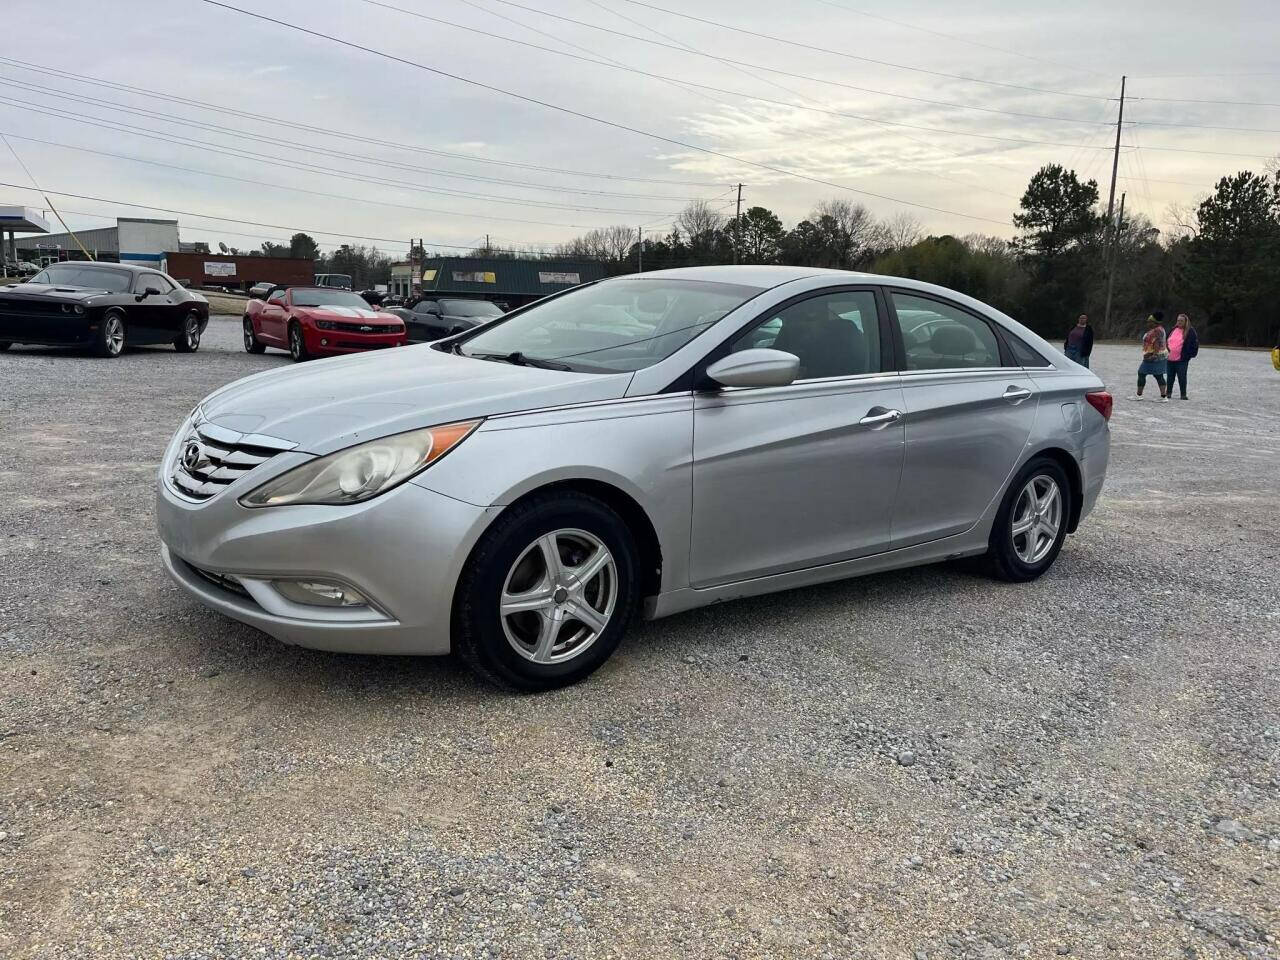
[(797, 476), (151, 318), (969, 412), (271, 318)]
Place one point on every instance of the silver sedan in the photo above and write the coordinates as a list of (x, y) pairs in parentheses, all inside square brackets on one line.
[(643, 445)]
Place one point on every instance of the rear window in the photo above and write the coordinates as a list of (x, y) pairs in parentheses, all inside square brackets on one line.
[(1023, 355), (91, 278), (470, 308)]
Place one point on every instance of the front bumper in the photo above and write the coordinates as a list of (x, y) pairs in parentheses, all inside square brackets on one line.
[(404, 550), (337, 342)]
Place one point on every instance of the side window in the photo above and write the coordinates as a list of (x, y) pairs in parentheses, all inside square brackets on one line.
[(834, 334), (277, 297), (424, 306), (1023, 355), (153, 280), (938, 336)]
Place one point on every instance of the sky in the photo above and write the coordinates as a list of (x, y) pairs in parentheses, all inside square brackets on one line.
[(939, 110)]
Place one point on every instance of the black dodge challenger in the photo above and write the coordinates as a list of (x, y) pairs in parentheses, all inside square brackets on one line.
[(103, 306)]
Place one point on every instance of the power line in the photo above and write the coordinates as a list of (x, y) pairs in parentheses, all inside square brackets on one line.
[(586, 116), (252, 223), (1201, 126), (294, 145), (690, 50), (852, 56), (329, 132), (1221, 103), (317, 193)]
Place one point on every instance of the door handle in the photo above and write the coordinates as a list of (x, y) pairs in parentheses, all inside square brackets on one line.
[(881, 419), (1016, 394)]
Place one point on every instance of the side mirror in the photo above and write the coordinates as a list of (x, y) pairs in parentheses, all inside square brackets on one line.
[(755, 368), (151, 292)]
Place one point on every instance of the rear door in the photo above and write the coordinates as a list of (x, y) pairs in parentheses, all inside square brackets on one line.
[(969, 412), (796, 476)]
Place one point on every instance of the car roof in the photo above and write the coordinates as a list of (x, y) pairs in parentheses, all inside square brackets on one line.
[(95, 265), (752, 275)]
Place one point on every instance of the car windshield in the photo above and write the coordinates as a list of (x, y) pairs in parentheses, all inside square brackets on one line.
[(79, 275), (614, 326), (328, 298), (470, 308)]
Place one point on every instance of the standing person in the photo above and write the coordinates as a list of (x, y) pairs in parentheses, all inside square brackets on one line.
[(1183, 347), (1155, 352), (1079, 342)]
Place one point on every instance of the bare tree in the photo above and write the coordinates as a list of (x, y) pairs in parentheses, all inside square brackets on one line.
[(985, 243), (855, 221), (901, 230), (699, 220), (1182, 219)]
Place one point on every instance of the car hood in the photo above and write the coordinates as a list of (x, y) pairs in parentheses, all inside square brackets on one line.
[(326, 405), (342, 313), (48, 291)]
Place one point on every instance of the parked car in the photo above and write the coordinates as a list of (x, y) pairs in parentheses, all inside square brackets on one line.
[(20, 268), (518, 491), (341, 281), (259, 291), (104, 306), (434, 318), (375, 298), (318, 321)]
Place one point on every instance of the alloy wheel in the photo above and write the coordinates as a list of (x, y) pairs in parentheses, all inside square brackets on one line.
[(559, 596), (295, 343), (114, 335), (248, 335), (191, 332), (1037, 518)]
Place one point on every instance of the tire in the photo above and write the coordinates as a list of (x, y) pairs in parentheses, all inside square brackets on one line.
[(1019, 557), (188, 341), (110, 340), (297, 343), (542, 644), (251, 344)]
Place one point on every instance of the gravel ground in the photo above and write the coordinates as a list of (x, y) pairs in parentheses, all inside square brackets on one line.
[(917, 765)]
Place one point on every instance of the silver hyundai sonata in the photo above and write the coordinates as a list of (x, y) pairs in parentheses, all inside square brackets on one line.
[(651, 443)]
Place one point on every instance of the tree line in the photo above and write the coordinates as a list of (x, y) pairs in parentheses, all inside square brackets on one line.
[(1220, 263)]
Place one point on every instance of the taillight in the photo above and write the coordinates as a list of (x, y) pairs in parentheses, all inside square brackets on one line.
[(1101, 401)]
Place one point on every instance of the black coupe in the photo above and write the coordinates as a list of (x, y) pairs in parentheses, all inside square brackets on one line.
[(102, 306), (433, 318)]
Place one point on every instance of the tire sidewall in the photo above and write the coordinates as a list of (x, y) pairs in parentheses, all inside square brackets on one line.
[(102, 347), (186, 343), (1013, 566), (481, 586), (299, 351)]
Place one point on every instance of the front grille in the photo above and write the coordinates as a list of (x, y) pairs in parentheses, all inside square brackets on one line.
[(369, 329), (220, 580), (361, 345), (35, 307), (211, 458)]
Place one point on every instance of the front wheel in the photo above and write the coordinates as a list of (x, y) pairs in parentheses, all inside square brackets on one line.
[(547, 594), (188, 341), (297, 344), (111, 335), (1032, 523), (251, 344)]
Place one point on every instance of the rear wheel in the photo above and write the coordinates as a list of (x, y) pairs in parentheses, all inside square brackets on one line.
[(1032, 523), (297, 344), (110, 339), (251, 344), (188, 341), (547, 593)]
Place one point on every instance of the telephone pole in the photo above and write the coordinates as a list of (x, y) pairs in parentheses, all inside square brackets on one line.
[(1111, 202), (737, 226), (1111, 260), (639, 249)]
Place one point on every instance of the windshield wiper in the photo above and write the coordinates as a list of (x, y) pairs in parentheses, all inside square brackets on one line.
[(519, 359)]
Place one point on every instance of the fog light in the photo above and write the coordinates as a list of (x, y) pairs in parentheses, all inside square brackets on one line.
[(324, 343), (320, 593)]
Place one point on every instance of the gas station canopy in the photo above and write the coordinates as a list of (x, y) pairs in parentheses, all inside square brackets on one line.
[(22, 220)]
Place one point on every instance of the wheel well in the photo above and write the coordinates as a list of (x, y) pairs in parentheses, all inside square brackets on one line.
[(1072, 469), (632, 514)]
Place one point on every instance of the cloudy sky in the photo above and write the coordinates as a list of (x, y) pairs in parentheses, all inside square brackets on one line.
[(908, 106)]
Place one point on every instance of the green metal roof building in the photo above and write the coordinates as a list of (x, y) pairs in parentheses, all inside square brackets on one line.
[(511, 282)]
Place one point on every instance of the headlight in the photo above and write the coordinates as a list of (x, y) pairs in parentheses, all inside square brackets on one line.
[(363, 471)]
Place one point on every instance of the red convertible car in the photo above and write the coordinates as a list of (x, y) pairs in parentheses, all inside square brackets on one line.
[(319, 322)]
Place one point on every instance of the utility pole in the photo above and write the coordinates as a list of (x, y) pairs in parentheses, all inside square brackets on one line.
[(487, 252), (1111, 202), (639, 249), (1111, 264), (737, 226)]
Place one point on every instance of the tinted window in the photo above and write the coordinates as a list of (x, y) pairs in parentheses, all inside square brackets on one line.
[(328, 298), (79, 275), (938, 336), (153, 280), (834, 335), (277, 296), (470, 308), (1023, 355), (426, 306), (612, 326)]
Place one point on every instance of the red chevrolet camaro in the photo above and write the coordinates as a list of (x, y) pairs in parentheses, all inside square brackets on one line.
[(319, 322)]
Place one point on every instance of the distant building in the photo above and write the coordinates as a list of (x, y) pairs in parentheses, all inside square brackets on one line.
[(512, 283), (132, 240), (239, 271)]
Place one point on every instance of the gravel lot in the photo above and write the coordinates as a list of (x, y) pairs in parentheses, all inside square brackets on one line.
[(916, 765)]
